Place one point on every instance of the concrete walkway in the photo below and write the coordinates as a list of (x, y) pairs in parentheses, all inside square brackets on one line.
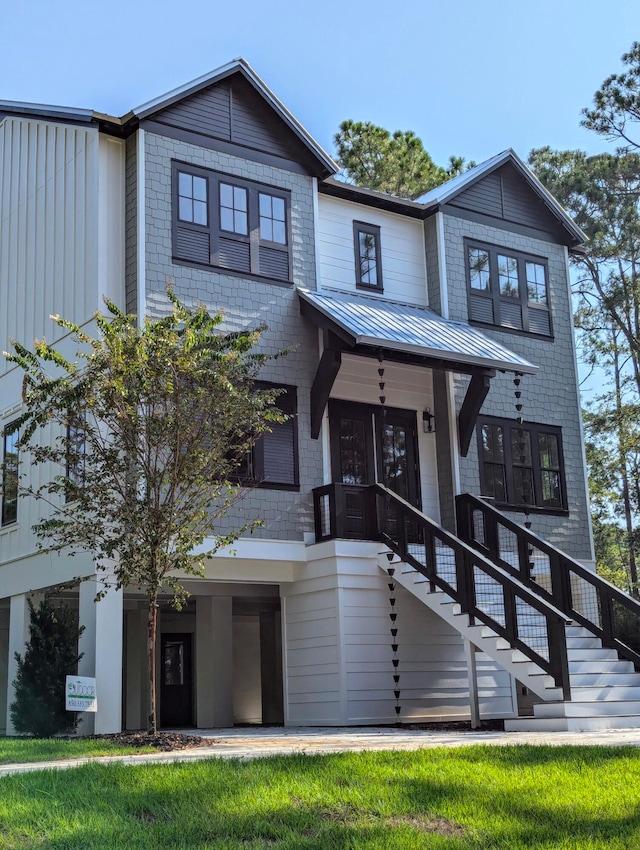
[(257, 743)]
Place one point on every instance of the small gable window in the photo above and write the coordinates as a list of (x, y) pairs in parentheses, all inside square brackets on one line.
[(507, 289), (231, 224), (368, 255)]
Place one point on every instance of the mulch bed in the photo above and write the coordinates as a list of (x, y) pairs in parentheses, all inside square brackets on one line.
[(164, 741)]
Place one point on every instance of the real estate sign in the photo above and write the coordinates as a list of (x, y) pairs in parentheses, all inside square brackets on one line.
[(80, 694)]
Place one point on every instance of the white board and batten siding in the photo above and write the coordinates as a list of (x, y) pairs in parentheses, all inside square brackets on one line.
[(61, 249), (406, 387), (404, 273)]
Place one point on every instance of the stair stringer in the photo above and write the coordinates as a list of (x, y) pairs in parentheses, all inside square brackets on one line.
[(481, 636)]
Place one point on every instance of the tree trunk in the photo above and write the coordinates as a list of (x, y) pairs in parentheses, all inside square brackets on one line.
[(152, 622)]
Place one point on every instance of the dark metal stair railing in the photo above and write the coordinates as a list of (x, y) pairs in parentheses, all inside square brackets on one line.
[(582, 596), (484, 591)]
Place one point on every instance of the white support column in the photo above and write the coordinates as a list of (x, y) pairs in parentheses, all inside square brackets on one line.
[(101, 643), (18, 637), (472, 673), (214, 661)]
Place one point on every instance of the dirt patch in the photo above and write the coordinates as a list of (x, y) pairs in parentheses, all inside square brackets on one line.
[(441, 826), (456, 726), (164, 741)]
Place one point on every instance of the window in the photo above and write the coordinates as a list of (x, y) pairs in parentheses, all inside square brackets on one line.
[(10, 478), (76, 456), (368, 255), (273, 461), (230, 223), (521, 465), (508, 289)]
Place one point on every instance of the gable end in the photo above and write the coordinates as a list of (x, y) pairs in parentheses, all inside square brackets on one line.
[(505, 195), (233, 112)]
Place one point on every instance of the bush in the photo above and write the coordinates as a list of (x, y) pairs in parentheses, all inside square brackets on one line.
[(50, 656)]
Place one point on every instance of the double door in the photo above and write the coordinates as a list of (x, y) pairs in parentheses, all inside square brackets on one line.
[(368, 445)]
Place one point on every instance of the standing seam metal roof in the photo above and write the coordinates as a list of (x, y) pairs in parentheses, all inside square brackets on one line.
[(414, 330)]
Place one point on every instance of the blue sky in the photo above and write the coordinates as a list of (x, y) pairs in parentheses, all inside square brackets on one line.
[(471, 78)]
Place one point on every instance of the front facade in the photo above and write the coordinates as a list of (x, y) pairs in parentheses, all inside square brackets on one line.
[(432, 354)]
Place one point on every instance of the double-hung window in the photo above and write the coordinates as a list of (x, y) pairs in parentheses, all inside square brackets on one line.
[(508, 289), (10, 477), (368, 256), (521, 465), (230, 223)]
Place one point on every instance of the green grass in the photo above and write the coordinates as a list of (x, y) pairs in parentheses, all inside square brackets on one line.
[(475, 797), (14, 750)]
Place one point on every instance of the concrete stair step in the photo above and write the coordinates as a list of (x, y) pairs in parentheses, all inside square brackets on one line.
[(587, 708), (572, 724)]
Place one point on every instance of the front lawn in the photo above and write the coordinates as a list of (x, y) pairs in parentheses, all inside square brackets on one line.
[(477, 797), (18, 750)]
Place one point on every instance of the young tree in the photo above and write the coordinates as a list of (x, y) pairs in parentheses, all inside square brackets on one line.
[(397, 163), (147, 425), (51, 654)]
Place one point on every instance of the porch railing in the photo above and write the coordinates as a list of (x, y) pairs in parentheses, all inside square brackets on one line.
[(485, 592), (580, 594)]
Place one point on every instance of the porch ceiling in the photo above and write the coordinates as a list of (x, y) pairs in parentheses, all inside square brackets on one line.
[(362, 320)]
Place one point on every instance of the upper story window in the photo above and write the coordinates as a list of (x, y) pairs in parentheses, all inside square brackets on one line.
[(273, 461), (508, 289), (368, 255), (10, 478), (230, 223), (521, 466)]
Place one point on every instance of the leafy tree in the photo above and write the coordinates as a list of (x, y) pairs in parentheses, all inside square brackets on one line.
[(616, 109), (50, 656), (396, 164), (140, 436)]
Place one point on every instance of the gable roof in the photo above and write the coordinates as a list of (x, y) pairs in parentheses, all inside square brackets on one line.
[(448, 191), (237, 66)]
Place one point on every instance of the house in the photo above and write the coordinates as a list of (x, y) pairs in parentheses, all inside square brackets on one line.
[(433, 363)]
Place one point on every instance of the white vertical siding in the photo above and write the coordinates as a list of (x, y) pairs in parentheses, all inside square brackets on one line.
[(404, 273), (48, 226)]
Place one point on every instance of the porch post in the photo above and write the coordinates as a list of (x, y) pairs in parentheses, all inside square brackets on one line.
[(214, 661), (102, 645), (472, 673)]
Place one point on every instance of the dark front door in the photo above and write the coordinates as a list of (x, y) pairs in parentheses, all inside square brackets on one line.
[(369, 445), (176, 680)]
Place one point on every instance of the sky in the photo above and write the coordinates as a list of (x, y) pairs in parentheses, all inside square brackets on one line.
[(470, 77)]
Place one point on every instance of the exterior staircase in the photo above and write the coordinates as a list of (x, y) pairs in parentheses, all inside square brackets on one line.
[(567, 635)]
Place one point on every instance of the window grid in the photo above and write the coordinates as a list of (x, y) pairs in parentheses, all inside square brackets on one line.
[(192, 198), (507, 289), (233, 209), (272, 218), (521, 466)]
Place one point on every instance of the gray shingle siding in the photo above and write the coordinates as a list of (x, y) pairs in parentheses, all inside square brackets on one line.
[(246, 303), (551, 397), (131, 220)]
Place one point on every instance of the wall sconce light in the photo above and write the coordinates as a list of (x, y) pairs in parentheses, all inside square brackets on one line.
[(428, 421)]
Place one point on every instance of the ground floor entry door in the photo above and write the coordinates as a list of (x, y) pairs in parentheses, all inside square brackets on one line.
[(368, 445), (176, 680)]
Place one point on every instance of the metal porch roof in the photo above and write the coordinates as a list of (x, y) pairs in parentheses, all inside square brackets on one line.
[(414, 330)]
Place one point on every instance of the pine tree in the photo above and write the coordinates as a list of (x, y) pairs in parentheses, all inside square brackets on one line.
[(50, 656)]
